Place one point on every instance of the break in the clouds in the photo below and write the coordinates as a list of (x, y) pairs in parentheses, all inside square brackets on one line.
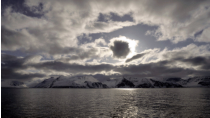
[(145, 38)]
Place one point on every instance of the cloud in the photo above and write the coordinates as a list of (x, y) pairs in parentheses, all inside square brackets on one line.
[(137, 56), (188, 51), (12, 40), (191, 60), (202, 62), (158, 69), (11, 64), (123, 47), (52, 32), (182, 65), (96, 44), (81, 55), (120, 49), (10, 74), (72, 68), (204, 36), (59, 25), (57, 30)]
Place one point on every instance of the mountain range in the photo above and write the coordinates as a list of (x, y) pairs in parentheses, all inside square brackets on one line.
[(99, 81)]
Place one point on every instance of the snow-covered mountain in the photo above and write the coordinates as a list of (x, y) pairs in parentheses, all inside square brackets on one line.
[(47, 83), (118, 82), (152, 83), (192, 82), (163, 83), (72, 82), (124, 83), (141, 82)]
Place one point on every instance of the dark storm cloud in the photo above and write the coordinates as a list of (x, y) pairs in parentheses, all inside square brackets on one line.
[(137, 56), (197, 60), (10, 64), (9, 61), (202, 62), (120, 49), (73, 68), (8, 73)]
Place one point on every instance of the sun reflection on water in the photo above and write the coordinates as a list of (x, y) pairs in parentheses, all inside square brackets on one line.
[(130, 89)]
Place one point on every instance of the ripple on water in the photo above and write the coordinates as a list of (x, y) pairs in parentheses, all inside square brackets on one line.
[(176, 102)]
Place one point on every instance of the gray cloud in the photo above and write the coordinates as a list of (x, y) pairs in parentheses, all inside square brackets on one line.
[(73, 68), (11, 74), (156, 69), (202, 62), (10, 64), (13, 40), (10, 39), (180, 22), (137, 56), (160, 70), (120, 49), (81, 55), (55, 32)]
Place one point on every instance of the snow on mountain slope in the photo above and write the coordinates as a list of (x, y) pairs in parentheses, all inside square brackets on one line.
[(64, 83), (125, 84), (134, 82), (176, 80), (198, 82), (71, 82), (161, 84), (112, 83), (82, 79), (95, 85), (140, 82), (122, 82), (47, 83), (191, 82)]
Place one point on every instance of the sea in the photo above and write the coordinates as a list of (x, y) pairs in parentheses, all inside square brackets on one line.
[(105, 103)]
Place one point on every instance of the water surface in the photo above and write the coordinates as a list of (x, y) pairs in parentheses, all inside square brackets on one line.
[(163, 102)]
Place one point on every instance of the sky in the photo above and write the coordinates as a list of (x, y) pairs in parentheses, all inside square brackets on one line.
[(144, 38)]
